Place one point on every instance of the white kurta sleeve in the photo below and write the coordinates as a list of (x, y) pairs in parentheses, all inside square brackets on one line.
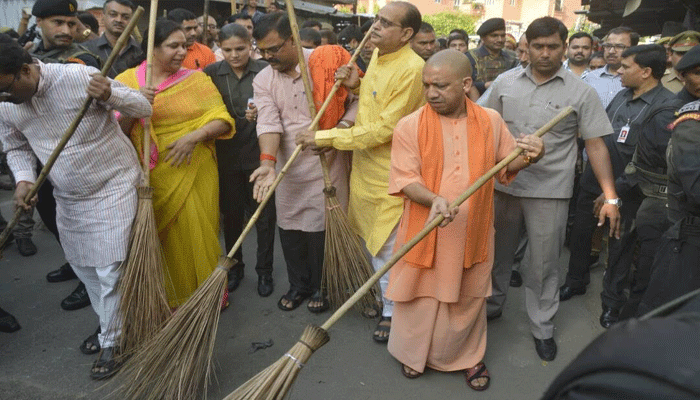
[(20, 157)]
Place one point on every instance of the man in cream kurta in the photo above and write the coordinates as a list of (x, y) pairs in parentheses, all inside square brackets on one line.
[(440, 308), (390, 90)]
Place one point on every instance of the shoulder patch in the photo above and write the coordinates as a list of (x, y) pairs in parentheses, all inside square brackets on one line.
[(693, 106), (685, 117)]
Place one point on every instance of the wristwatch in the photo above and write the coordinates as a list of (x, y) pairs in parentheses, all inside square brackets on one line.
[(616, 202)]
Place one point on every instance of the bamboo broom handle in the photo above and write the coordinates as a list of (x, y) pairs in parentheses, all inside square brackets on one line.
[(205, 23), (123, 39), (434, 223), (152, 17), (293, 157)]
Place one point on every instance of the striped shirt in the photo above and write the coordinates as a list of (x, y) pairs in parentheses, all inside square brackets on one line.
[(96, 174), (605, 84)]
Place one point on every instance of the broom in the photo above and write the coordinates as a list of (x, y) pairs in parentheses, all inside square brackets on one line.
[(144, 305), (123, 39), (345, 265), (275, 381), (176, 362)]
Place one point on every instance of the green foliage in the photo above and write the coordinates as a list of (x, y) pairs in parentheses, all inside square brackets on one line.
[(361, 9), (446, 21), (375, 11)]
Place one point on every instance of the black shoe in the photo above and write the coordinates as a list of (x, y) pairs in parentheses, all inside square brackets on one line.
[(609, 317), (63, 273), (566, 292), (546, 348), (8, 323), (235, 276), (515, 279), (265, 285), (491, 317), (76, 300), (25, 246)]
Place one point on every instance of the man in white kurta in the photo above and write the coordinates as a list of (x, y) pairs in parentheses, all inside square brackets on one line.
[(94, 177)]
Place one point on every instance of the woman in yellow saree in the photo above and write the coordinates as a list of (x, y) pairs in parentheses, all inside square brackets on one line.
[(188, 115)]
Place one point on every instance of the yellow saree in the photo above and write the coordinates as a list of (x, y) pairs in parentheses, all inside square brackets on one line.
[(186, 198)]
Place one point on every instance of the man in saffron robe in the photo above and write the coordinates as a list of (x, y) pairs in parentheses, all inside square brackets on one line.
[(440, 287)]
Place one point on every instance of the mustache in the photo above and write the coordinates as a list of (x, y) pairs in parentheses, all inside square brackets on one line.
[(63, 37), (273, 60)]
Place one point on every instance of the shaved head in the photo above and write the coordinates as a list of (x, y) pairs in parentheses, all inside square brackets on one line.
[(453, 61)]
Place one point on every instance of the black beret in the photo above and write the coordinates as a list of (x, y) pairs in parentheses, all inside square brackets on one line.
[(491, 25), (48, 8), (691, 59)]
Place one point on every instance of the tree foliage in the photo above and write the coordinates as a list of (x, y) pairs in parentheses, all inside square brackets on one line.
[(446, 21)]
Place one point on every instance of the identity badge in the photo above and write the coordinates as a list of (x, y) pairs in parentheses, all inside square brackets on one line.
[(622, 138)]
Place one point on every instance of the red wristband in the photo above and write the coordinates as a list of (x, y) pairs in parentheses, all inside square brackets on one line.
[(265, 156)]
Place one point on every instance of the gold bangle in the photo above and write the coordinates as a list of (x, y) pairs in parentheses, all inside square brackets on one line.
[(527, 160)]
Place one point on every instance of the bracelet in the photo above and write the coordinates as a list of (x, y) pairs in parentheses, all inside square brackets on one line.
[(528, 160), (265, 156), (344, 123)]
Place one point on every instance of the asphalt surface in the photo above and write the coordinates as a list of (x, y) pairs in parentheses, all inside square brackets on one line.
[(42, 360)]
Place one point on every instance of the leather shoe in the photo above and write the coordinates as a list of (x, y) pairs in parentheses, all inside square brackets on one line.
[(265, 285), (546, 348), (76, 300), (235, 276), (63, 273), (609, 317), (25, 246), (515, 279), (566, 292), (8, 323)]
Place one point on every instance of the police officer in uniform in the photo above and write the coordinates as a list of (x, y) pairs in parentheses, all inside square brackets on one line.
[(675, 270), (56, 19), (678, 47), (491, 58)]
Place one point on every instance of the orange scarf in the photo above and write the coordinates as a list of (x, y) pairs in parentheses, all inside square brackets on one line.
[(323, 63), (481, 158)]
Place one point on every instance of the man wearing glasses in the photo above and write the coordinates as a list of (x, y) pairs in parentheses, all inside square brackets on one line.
[(391, 89), (606, 81)]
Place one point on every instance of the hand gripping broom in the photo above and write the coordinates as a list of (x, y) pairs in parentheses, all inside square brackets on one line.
[(176, 362), (144, 305), (123, 39), (274, 382), (345, 265)]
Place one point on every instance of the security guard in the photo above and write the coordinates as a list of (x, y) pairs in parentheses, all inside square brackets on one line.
[(678, 46), (675, 269), (490, 59), (56, 19)]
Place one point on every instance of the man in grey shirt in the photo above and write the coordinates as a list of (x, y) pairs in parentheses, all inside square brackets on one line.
[(539, 196)]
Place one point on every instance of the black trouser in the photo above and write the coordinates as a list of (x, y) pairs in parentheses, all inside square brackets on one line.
[(676, 267), (584, 226), (620, 255), (652, 221), (236, 203), (303, 252)]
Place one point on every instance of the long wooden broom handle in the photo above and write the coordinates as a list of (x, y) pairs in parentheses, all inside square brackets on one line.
[(295, 154), (123, 39), (152, 17), (434, 223)]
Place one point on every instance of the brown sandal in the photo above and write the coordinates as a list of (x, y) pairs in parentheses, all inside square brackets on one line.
[(409, 372), (476, 372)]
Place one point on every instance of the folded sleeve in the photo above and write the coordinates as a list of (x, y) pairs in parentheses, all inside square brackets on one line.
[(20, 157), (405, 156)]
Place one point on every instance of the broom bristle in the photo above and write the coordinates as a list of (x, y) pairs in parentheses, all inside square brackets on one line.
[(345, 266), (176, 362), (144, 305), (275, 381)]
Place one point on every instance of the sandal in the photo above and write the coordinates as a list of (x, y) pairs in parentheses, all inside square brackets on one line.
[(476, 372), (382, 327), (91, 345), (409, 372), (372, 312), (294, 299), (318, 297), (106, 365)]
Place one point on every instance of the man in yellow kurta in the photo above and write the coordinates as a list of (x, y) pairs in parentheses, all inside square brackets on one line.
[(390, 90), (440, 287)]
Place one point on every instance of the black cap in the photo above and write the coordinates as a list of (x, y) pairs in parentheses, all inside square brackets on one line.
[(491, 25), (49, 8), (691, 59)]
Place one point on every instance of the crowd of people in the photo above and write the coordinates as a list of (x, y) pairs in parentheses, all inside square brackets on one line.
[(417, 121)]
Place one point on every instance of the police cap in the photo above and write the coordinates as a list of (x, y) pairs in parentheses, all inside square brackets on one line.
[(48, 8), (491, 25), (685, 41), (691, 59)]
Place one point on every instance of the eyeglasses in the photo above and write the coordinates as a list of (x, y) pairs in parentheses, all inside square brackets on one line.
[(272, 50), (6, 92), (210, 26), (618, 47), (385, 23)]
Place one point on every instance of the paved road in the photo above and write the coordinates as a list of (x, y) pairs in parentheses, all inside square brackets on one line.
[(42, 360)]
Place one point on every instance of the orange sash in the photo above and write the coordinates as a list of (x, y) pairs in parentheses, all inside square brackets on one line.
[(481, 158), (323, 63)]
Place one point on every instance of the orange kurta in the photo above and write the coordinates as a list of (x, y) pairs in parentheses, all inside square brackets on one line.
[(460, 291), (198, 56)]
